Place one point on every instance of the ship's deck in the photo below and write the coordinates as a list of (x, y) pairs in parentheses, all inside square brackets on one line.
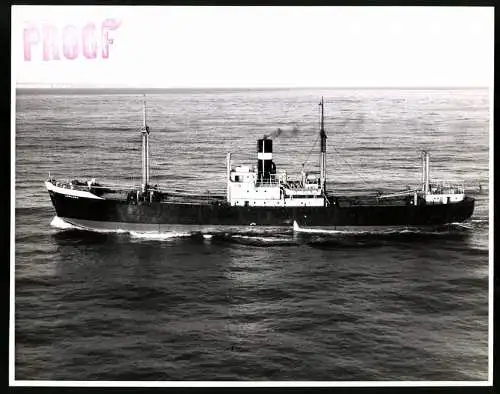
[(164, 195), (366, 200)]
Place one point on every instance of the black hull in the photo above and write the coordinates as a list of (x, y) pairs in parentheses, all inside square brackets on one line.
[(161, 213)]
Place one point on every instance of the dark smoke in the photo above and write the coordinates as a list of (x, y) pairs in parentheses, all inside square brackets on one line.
[(288, 131)]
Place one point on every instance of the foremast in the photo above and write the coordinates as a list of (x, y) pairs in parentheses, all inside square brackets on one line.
[(145, 148), (322, 162), (425, 172)]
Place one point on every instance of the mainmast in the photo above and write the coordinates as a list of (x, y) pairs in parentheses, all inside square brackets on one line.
[(425, 172), (322, 163), (145, 148)]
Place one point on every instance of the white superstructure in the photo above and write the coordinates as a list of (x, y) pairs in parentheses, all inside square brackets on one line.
[(439, 192), (435, 192), (245, 188)]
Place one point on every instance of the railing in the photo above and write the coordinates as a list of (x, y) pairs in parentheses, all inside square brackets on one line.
[(446, 187), (273, 180), (67, 184), (199, 200), (399, 194), (85, 187), (167, 194)]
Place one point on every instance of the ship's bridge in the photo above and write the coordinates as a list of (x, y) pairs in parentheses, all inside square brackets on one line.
[(443, 192), (244, 174), (262, 185)]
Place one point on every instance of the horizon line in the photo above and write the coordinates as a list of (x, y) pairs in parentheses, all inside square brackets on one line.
[(69, 86)]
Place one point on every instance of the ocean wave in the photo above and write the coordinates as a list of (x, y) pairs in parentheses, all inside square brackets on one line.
[(263, 236), (253, 240), (244, 234), (33, 210), (59, 223), (263, 239), (362, 233), (439, 230), (159, 236)]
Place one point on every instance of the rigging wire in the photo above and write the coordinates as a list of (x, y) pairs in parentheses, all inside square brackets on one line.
[(352, 169), (315, 142), (310, 151), (338, 154), (152, 161), (363, 180)]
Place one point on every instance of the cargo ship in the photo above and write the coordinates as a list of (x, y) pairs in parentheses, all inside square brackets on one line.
[(256, 195)]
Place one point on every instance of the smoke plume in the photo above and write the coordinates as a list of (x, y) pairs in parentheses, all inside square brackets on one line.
[(283, 130)]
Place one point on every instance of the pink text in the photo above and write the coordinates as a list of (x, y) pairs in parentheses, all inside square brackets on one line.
[(70, 42)]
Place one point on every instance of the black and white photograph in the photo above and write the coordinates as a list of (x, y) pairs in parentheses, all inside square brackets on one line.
[(251, 196)]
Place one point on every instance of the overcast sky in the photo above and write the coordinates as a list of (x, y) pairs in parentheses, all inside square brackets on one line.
[(265, 46)]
